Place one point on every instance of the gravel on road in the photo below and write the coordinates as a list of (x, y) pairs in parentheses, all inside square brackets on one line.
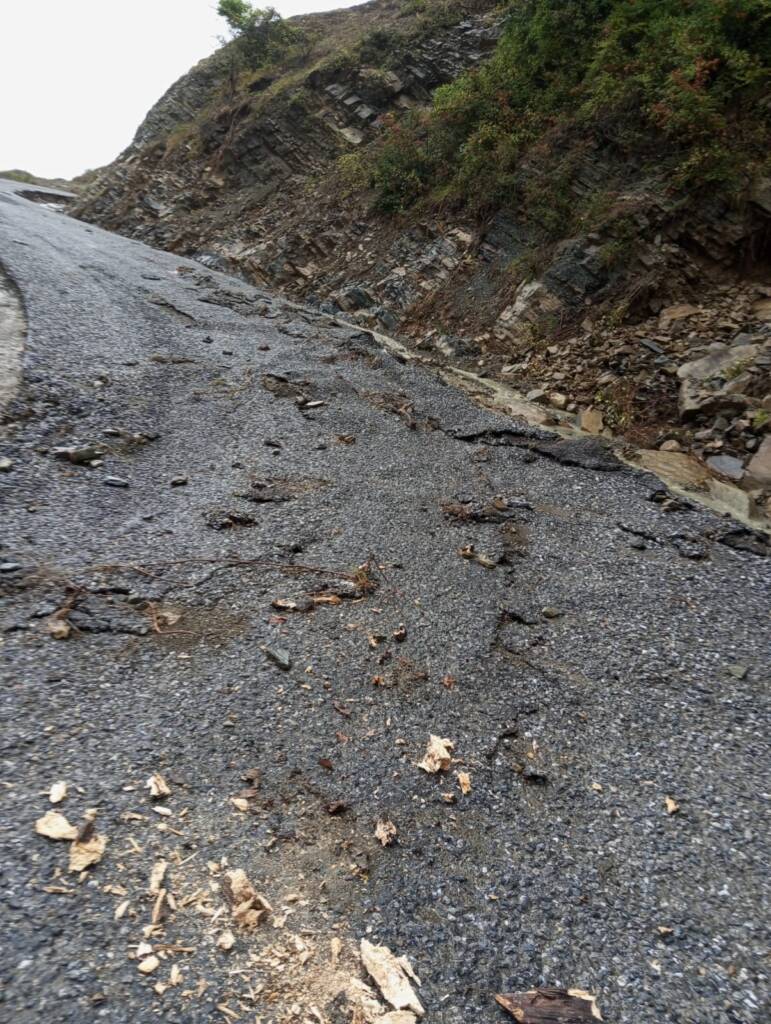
[(249, 564)]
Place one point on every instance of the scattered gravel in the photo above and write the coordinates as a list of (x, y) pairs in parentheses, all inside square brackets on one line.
[(583, 682)]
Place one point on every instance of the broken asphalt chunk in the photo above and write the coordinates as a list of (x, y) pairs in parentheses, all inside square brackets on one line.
[(550, 1006), (78, 455), (279, 656)]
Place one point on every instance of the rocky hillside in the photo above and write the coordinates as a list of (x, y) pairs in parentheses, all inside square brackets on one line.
[(483, 182)]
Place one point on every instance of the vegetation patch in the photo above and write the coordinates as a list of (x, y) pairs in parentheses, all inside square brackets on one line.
[(677, 84)]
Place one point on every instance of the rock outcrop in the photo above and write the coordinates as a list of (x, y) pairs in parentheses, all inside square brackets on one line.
[(646, 318)]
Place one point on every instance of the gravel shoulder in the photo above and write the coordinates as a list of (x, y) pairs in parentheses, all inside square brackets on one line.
[(245, 548)]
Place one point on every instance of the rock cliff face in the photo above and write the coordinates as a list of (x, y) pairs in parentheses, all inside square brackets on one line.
[(251, 176)]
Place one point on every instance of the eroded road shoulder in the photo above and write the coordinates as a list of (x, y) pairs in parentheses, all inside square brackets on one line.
[(13, 331)]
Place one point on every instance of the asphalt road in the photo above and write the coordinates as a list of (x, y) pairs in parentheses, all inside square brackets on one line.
[(599, 651)]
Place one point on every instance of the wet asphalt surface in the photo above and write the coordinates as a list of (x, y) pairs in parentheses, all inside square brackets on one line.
[(646, 679)]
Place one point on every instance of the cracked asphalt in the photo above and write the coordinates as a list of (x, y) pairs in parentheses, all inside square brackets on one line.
[(590, 645)]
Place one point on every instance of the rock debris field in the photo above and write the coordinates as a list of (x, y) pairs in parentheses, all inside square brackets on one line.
[(330, 696)]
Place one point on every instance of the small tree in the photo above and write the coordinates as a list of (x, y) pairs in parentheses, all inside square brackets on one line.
[(259, 33)]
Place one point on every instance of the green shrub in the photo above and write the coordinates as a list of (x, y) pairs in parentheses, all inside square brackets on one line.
[(688, 74), (260, 35)]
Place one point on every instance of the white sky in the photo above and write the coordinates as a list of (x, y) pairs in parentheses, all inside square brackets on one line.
[(78, 76)]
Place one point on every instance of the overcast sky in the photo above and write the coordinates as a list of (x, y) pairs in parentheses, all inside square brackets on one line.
[(78, 76)]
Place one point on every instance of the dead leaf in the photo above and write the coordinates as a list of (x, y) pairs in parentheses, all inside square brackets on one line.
[(385, 831), (58, 792), (448, 682), (54, 825), (247, 906), (285, 604), (167, 617), (84, 854), (437, 757), (392, 976), (148, 965), (158, 786), (464, 781), (57, 625), (226, 940), (326, 763), (550, 1006), (240, 803)]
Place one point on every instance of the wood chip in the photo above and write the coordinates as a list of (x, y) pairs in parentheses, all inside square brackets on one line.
[(158, 907), (157, 876), (247, 906), (385, 831), (240, 803), (438, 755), (120, 910), (54, 825), (148, 965), (550, 1006), (58, 792), (672, 805), (464, 781), (158, 786), (392, 976), (84, 854)]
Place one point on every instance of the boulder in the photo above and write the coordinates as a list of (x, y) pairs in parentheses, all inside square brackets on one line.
[(706, 382), (726, 465), (591, 420), (759, 466)]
